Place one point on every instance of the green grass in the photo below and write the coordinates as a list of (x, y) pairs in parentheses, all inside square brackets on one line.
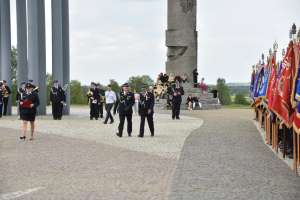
[(236, 106)]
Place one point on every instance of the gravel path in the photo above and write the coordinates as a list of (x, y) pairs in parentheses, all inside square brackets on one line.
[(226, 159)]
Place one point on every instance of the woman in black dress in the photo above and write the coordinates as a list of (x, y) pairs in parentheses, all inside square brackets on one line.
[(28, 103)]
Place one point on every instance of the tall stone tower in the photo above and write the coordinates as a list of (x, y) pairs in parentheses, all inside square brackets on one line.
[(181, 39)]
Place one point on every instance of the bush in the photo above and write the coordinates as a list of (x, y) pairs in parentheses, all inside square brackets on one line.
[(223, 91), (240, 99), (77, 93)]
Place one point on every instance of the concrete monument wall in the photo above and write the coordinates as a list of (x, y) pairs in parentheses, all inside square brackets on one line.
[(181, 38)]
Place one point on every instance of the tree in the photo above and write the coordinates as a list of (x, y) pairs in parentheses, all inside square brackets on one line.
[(13, 68), (137, 82), (115, 85), (240, 99), (223, 90), (13, 63), (77, 94)]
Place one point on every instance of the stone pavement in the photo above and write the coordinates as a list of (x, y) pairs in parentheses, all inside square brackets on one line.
[(81, 159), (226, 159)]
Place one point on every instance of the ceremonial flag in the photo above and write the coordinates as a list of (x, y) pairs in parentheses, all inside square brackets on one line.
[(263, 81), (256, 83), (296, 94), (253, 75), (272, 82), (282, 99)]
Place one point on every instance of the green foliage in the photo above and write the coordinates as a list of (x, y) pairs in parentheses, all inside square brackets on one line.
[(14, 63), (77, 93), (49, 80), (223, 90), (240, 99), (136, 83), (115, 85), (235, 89), (14, 89)]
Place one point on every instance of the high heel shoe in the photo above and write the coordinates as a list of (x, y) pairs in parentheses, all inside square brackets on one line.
[(23, 138)]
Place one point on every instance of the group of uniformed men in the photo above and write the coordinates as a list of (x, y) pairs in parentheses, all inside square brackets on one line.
[(122, 103), (97, 97)]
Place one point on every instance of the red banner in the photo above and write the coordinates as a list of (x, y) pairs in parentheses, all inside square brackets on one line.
[(283, 90)]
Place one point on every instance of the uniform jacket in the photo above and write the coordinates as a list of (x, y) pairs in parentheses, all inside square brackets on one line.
[(146, 103), (176, 93), (57, 95), (34, 99), (125, 103), (94, 96)]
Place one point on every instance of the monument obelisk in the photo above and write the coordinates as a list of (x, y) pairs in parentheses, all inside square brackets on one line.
[(181, 39)]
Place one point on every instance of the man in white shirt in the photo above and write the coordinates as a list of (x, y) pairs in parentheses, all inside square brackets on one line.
[(110, 99)]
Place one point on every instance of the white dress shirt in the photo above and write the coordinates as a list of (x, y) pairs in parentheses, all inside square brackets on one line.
[(110, 97)]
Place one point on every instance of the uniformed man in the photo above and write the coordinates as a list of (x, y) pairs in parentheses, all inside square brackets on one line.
[(6, 93), (35, 88), (94, 99), (146, 110), (20, 91), (125, 109), (176, 90), (58, 99), (102, 99), (1, 97)]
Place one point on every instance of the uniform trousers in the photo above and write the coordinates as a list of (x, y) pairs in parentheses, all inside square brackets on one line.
[(128, 117)]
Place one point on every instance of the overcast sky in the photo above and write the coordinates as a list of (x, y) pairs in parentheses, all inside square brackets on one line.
[(120, 38)]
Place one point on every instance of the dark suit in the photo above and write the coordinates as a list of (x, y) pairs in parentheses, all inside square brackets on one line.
[(125, 111), (57, 96), (7, 92), (94, 99), (176, 100), (146, 104), (1, 101)]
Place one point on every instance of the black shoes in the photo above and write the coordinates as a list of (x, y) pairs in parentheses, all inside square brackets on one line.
[(104, 122), (23, 138), (118, 134), (141, 136), (111, 122)]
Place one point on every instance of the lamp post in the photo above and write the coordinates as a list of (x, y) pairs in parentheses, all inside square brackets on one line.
[(262, 59), (294, 32)]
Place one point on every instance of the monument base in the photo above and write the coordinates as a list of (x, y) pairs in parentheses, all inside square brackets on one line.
[(206, 99)]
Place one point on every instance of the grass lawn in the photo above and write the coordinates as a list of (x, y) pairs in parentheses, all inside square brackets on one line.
[(238, 106)]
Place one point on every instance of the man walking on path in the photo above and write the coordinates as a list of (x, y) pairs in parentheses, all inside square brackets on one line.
[(110, 100), (125, 110), (146, 110)]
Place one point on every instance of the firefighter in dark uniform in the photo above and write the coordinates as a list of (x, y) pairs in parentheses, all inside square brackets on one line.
[(20, 91), (58, 99), (6, 94), (94, 99), (176, 90), (102, 100), (1, 97), (146, 110), (126, 102)]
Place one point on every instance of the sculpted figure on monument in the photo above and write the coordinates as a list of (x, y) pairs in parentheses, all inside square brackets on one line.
[(187, 5), (174, 52)]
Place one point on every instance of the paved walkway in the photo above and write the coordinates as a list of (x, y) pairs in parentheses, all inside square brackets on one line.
[(81, 159), (226, 159)]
